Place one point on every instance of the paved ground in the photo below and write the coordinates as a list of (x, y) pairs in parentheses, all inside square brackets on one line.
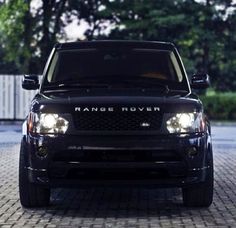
[(113, 208)]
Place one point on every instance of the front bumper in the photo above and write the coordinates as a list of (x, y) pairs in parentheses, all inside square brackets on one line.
[(123, 160)]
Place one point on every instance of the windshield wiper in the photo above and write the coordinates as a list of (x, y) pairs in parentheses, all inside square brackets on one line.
[(178, 90), (60, 85), (153, 83), (145, 84)]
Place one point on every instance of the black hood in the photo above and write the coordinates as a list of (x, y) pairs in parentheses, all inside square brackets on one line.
[(66, 102)]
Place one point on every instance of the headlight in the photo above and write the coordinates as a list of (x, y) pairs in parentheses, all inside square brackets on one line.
[(185, 123), (48, 123)]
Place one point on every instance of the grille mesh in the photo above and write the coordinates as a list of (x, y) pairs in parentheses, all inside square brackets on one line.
[(118, 121)]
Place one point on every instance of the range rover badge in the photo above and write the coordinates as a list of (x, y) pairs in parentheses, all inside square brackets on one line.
[(145, 124)]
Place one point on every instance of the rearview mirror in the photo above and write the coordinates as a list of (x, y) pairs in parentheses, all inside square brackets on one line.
[(200, 81), (30, 82)]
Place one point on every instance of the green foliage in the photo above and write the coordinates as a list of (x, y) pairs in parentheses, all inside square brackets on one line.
[(220, 106), (11, 30)]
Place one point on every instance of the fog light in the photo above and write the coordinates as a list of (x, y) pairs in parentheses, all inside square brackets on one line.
[(42, 152), (192, 151)]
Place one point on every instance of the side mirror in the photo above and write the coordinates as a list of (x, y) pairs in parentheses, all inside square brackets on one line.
[(200, 81), (30, 82)]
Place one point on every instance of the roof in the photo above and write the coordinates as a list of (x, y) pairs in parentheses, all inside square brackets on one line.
[(116, 43)]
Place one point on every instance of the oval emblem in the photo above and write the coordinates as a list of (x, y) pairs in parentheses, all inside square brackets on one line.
[(145, 124)]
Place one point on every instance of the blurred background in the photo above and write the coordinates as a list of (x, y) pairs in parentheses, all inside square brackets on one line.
[(204, 31)]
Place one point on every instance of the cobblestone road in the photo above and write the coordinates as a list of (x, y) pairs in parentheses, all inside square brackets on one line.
[(113, 208)]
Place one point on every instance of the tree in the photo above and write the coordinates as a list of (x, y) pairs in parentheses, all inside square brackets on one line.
[(52, 25), (28, 38), (12, 30)]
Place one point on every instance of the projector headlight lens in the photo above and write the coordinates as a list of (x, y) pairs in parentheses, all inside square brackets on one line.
[(48, 120), (185, 123), (48, 123)]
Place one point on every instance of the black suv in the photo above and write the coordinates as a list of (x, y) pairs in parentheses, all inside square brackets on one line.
[(116, 112)]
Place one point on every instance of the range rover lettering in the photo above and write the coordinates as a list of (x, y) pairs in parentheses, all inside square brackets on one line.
[(113, 113)]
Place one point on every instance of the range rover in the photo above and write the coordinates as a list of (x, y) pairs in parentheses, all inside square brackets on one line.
[(116, 113)]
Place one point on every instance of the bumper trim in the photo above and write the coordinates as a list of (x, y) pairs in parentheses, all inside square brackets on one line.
[(120, 148), (35, 170), (115, 165), (199, 169), (143, 183)]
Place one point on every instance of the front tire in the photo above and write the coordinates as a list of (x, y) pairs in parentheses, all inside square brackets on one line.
[(31, 195), (200, 195)]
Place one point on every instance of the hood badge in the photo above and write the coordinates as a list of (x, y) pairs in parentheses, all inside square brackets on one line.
[(122, 109), (145, 124)]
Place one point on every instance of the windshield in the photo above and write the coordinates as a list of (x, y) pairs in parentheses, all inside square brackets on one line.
[(115, 67)]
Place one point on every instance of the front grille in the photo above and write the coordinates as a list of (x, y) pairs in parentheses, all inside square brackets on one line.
[(118, 121)]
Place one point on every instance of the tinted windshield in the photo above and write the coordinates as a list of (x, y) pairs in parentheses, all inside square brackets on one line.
[(115, 66)]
